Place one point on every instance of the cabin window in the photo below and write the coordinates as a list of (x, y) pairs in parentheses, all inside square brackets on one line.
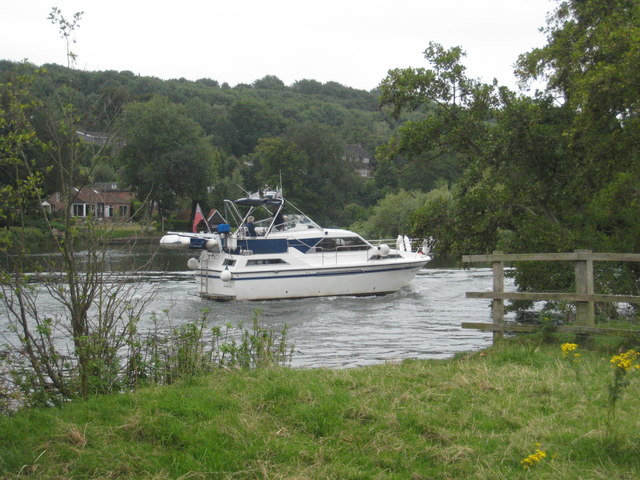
[(342, 244), (326, 244), (228, 262), (266, 261)]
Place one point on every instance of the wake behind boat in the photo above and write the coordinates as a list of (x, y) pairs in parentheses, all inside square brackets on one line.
[(287, 255)]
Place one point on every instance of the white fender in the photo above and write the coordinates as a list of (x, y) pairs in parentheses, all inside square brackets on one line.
[(225, 275), (232, 242), (400, 243), (214, 244), (407, 244), (193, 263), (384, 249), (425, 247)]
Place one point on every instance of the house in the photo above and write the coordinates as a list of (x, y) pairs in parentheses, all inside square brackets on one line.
[(102, 200), (359, 159), (99, 138)]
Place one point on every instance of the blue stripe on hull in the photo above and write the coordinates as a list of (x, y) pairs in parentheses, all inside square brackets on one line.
[(359, 271)]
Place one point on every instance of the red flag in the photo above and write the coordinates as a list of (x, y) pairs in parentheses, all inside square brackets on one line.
[(197, 218)]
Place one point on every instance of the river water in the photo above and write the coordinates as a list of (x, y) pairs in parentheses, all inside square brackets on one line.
[(422, 320)]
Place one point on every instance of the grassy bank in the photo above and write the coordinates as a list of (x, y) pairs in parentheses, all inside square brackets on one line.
[(474, 417), (39, 237)]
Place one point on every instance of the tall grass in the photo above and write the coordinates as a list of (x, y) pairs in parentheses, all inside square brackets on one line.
[(477, 416), (161, 355), (196, 348)]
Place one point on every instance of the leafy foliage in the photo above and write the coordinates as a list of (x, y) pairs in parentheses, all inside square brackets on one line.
[(20, 183), (165, 154), (232, 120), (553, 172), (391, 215)]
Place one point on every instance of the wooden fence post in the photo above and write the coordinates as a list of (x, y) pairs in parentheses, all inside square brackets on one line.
[(585, 311), (497, 305)]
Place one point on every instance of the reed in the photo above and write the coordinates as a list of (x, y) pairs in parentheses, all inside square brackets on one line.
[(161, 355)]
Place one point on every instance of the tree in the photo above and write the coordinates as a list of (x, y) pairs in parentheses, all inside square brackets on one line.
[(73, 353), (308, 87), (19, 185), (165, 155), (589, 62), (458, 111), (269, 82), (540, 173), (392, 215), (280, 163), (589, 65), (214, 120), (66, 28), (457, 121), (327, 175), (252, 120)]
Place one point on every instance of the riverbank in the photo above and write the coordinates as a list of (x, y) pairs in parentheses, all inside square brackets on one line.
[(135, 240), (476, 416)]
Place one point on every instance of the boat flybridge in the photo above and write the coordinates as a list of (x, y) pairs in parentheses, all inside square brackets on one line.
[(285, 254)]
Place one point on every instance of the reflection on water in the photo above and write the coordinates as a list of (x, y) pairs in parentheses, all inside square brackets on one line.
[(420, 321)]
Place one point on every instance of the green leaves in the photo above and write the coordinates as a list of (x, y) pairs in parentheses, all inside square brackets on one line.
[(165, 154), (20, 184), (66, 29), (541, 173)]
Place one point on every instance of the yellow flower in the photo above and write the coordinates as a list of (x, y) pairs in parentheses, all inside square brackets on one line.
[(568, 347), (626, 360), (533, 459)]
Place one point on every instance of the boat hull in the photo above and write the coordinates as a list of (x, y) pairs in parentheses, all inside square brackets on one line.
[(269, 284)]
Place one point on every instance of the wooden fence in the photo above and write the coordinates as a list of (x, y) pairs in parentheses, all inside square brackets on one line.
[(584, 296)]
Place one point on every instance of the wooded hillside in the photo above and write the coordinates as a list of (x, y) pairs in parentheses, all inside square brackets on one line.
[(308, 124)]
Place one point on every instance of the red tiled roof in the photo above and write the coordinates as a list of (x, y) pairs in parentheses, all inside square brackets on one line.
[(91, 195)]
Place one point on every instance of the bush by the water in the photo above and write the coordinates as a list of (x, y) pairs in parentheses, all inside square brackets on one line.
[(162, 355)]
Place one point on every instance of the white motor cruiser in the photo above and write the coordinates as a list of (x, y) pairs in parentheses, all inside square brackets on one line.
[(287, 255)]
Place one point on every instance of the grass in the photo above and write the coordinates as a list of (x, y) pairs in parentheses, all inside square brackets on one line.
[(126, 230), (474, 417)]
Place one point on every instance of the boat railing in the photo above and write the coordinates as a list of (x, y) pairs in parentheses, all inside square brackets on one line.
[(380, 241), (417, 244), (330, 255)]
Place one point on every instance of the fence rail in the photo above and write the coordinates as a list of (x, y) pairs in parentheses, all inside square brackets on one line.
[(584, 296)]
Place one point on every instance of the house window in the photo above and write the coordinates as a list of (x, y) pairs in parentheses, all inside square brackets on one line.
[(122, 210), (78, 210), (108, 210)]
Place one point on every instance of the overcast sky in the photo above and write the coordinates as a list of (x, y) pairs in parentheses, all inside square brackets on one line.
[(352, 42)]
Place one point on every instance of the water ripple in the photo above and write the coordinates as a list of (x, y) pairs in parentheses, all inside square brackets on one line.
[(420, 321)]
